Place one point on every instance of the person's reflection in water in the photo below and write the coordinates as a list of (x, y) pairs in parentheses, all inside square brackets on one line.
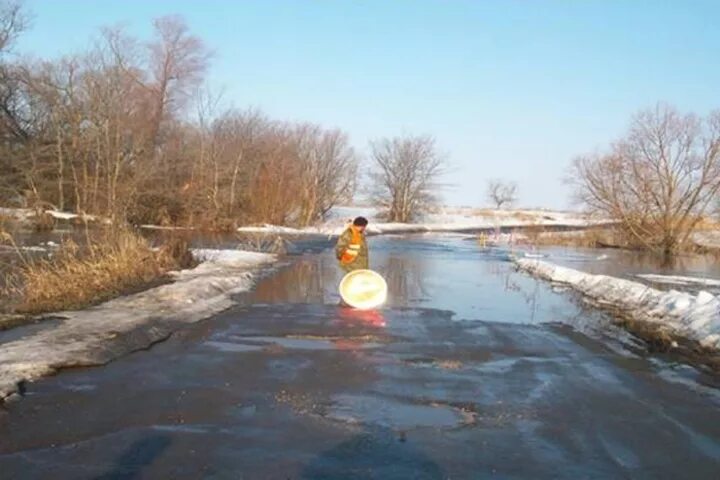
[(370, 318), (349, 317)]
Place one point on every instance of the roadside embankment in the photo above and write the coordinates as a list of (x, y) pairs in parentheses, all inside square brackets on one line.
[(672, 315), (100, 334)]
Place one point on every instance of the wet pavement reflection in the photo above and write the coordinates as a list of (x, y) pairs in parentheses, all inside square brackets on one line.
[(471, 371)]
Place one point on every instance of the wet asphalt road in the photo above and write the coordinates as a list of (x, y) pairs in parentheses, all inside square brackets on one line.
[(472, 371)]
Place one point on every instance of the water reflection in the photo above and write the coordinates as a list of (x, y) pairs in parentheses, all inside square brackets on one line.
[(315, 280), (311, 280), (405, 279), (628, 263), (351, 317), (529, 295)]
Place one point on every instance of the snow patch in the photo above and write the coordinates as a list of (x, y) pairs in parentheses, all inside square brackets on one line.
[(679, 280), (22, 214), (25, 214), (102, 333), (446, 220), (696, 317), (165, 227), (399, 228), (24, 248), (708, 238)]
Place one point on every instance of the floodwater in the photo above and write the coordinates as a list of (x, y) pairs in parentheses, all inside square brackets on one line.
[(471, 371), (629, 264)]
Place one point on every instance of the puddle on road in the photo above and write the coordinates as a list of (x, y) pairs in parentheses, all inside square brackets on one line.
[(316, 344), (451, 273), (230, 347), (391, 413), (442, 273)]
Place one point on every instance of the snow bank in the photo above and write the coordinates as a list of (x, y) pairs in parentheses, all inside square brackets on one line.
[(20, 214), (493, 217), (72, 216), (23, 248), (445, 220), (707, 238), (377, 228), (691, 316), (26, 214), (100, 334), (279, 230), (679, 280), (165, 227)]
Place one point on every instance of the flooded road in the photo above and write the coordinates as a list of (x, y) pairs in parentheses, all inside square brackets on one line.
[(471, 371)]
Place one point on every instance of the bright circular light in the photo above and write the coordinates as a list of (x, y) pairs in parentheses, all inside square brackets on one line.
[(363, 289)]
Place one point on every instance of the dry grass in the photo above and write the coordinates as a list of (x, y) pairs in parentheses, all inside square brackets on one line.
[(483, 212), (706, 224), (5, 221), (524, 217), (116, 262), (533, 233), (215, 223), (588, 238), (43, 222)]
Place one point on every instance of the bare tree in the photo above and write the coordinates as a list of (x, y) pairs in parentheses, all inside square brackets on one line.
[(501, 192), (178, 61), (14, 124), (13, 21), (658, 180), (329, 170), (405, 174)]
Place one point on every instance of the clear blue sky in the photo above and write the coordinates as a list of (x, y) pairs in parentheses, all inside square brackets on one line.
[(510, 89)]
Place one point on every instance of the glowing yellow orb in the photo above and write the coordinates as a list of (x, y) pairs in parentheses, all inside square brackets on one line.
[(363, 289)]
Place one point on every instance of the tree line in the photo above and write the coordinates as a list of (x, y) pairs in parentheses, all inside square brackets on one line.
[(124, 130), (127, 131)]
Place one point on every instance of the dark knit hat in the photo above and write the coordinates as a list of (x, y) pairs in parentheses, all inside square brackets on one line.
[(360, 222)]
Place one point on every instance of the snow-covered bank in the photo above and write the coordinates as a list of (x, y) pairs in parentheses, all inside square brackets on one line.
[(696, 317), (20, 214), (680, 280), (470, 226), (26, 215), (100, 334), (709, 239), (443, 220)]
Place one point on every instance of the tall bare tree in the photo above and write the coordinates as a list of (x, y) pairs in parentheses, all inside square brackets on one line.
[(405, 174), (14, 121), (658, 180), (501, 192), (178, 61), (13, 21), (328, 173)]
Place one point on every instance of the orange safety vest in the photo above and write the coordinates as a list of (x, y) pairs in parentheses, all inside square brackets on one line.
[(353, 250)]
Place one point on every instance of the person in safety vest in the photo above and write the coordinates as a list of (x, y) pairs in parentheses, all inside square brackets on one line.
[(351, 248)]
